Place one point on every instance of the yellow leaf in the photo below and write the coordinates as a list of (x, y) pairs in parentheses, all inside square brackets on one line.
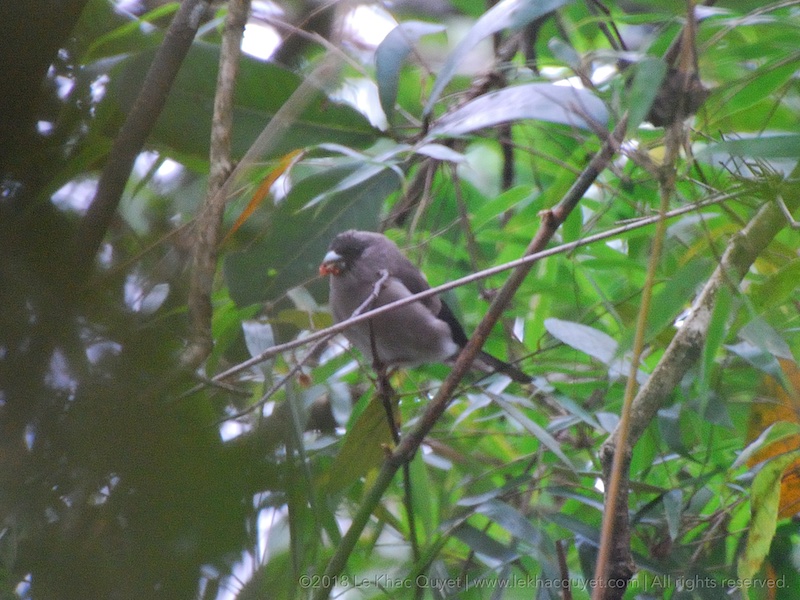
[(258, 197), (785, 406)]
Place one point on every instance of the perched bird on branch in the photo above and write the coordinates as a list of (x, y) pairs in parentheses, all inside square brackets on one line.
[(422, 332)]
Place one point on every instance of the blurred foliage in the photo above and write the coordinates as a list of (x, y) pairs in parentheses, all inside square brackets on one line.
[(124, 476)]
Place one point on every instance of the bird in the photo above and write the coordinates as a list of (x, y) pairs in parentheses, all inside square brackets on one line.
[(422, 332)]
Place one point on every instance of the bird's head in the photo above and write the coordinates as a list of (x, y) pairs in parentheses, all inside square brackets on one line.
[(344, 250)]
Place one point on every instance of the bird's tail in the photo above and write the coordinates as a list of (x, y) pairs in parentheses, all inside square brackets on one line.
[(488, 363)]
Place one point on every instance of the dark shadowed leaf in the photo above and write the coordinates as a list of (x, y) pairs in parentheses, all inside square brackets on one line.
[(512, 521), (361, 450), (644, 88), (282, 261), (487, 548), (760, 333), (261, 89), (673, 509)]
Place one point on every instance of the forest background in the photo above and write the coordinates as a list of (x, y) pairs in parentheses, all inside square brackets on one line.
[(166, 202)]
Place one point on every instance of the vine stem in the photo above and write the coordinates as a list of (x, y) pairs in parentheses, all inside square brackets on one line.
[(613, 495)]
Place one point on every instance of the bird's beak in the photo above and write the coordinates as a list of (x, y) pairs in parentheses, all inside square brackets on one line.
[(331, 264)]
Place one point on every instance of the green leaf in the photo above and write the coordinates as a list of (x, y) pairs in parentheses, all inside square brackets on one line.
[(361, 451), (589, 340), (593, 342), (226, 326), (506, 14), (132, 35), (761, 334), (777, 288), (577, 526), (534, 429), (539, 101), (765, 495), (757, 357), (761, 85), (717, 329), (390, 55), (671, 299), (669, 425), (493, 208), (424, 498), (673, 509), (717, 410), (262, 88), (768, 146)]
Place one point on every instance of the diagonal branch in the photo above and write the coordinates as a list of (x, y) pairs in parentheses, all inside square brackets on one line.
[(133, 134), (686, 346), (408, 446)]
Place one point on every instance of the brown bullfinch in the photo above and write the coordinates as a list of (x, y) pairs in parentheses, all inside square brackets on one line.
[(426, 331)]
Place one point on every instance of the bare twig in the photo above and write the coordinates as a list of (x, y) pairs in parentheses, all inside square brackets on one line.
[(134, 132), (209, 221)]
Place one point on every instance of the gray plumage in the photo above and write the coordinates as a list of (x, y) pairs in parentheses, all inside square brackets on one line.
[(418, 333)]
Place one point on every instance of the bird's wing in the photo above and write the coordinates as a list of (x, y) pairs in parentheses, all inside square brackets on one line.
[(456, 330), (415, 281), (409, 275)]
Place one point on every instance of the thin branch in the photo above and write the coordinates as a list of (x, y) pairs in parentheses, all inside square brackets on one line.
[(209, 224), (614, 559), (133, 134), (561, 554), (209, 221)]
